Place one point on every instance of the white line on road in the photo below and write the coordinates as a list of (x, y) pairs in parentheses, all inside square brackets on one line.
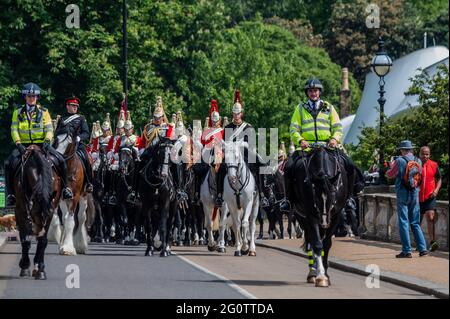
[(226, 280)]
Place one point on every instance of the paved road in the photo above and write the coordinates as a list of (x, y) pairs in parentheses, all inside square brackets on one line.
[(111, 271)]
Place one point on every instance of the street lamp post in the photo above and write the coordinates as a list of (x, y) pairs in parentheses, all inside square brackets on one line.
[(381, 65), (124, 47)]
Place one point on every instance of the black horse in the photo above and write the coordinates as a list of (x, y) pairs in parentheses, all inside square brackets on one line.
[(320, 189), (157, 193), (126, 212), (278, 205), (36, 186), (99, 229)]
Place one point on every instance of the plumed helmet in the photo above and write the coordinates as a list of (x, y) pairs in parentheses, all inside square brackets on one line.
[(121, 122), (106, 125), (128, 123), (313, 84), (31, 89), (214, 115), (237, 106)]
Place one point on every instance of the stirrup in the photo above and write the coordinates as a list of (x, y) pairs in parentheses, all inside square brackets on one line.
[(89, 188), (67, 193)]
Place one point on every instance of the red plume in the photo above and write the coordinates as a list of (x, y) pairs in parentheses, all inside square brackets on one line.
[(237, 96), (214, 108)]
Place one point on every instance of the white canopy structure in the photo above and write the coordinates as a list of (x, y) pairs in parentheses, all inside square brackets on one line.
[(397, 83)]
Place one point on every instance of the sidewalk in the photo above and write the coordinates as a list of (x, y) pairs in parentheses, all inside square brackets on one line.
[(428, 274)]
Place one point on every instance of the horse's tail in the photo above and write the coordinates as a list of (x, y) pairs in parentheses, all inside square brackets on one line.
[(43, 187)]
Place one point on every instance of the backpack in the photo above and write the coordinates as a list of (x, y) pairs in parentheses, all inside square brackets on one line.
[(412, 177)]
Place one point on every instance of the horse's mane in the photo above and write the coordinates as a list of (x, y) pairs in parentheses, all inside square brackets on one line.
[(43, 188)]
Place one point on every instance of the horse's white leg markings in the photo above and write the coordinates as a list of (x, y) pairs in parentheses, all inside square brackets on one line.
[(67, 247), (253, 216), (55, 229), (80, 237), (324, 213)]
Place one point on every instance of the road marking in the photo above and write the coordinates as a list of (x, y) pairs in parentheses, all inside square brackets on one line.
[(226, 280)]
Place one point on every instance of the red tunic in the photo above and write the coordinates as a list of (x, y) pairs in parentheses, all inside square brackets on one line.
[(429, 173)]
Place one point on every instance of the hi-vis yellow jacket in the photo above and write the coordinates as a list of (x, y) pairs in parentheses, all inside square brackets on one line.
[(324, 127), (34, 129)]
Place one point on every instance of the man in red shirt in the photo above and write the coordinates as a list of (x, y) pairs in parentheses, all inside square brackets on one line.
[(429, 188)]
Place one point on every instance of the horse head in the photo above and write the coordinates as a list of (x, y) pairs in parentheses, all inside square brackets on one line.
[(234, 160), (127, 158), (324, 174), (36, 188)]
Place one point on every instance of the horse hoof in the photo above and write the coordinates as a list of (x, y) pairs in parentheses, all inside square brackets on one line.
[(163, 253), (120, 242), (67, 252), (25, 273), (311, 280), (148, 252), (201, 242), (260, 236), (221, 250), (135, 242), (252, 253), (40, 275), (237, 253), (322, 282), (244, 252), (211, 248)]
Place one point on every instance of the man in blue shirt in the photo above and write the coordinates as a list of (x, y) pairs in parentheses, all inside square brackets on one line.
[(408, 209)]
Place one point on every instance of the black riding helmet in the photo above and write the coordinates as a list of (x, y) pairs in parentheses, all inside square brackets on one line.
[(31, 88), (313, 84)]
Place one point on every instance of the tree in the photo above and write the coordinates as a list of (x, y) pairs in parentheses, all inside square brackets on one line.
[(270, 68)]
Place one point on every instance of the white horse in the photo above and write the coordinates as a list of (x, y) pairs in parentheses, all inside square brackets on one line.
[(207, 197), (70, 242), (242, 198)]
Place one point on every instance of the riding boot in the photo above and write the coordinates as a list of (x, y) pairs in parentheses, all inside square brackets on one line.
[(220, 176), (9, 177), (88, 175), (261, 180), (66, 192)]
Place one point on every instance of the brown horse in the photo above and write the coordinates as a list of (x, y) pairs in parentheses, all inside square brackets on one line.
[(73, 239), (37, 188)]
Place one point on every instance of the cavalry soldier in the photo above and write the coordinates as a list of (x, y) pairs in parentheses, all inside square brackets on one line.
[(315, 121), (75, 125), (114, 142), (130, 139), (103, 139), (237, 130), (31, 124), (211, 137), (159, 126)]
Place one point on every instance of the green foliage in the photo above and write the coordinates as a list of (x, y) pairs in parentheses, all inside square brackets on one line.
[(270, 68), (424, 125)]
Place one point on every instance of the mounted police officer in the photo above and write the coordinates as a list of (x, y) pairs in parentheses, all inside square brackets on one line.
[(76, 126), (241, 130), (315, 121), (31, 124)]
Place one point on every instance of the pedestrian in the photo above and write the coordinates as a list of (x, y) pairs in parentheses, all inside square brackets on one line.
[(406, 169), (429, 188)]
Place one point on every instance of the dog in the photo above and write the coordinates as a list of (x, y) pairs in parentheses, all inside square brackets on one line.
[(9, 222)]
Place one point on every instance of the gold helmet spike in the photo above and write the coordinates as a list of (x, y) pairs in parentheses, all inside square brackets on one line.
[(121, 122), (128, 123), (106, 123)]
